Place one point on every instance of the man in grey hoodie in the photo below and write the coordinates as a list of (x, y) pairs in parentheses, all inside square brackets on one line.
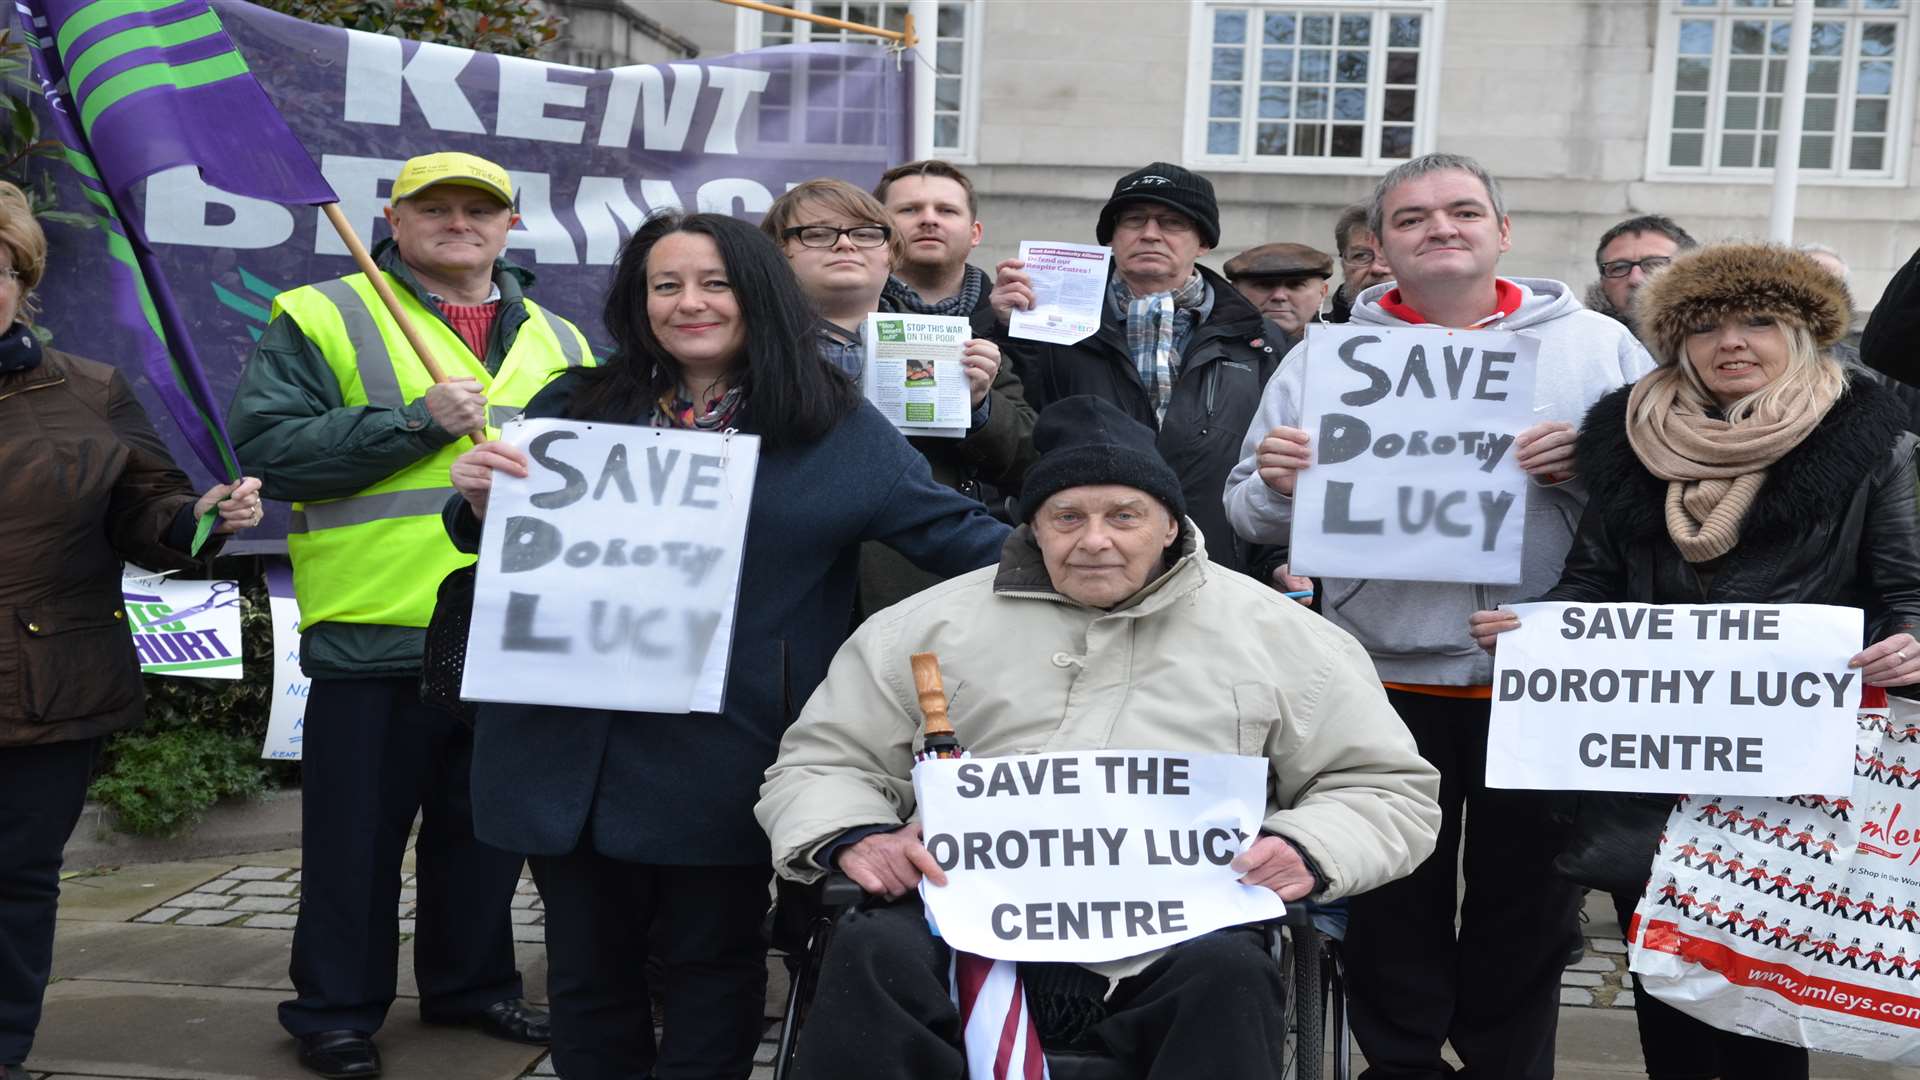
[(1415, 984)]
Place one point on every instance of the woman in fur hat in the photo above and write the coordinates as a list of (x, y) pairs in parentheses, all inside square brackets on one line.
[(1749, 468)]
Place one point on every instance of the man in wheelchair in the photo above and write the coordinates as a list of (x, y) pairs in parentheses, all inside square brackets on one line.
[(1104, 626)]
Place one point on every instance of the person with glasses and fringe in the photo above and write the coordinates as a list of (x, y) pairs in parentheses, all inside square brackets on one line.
[(1627, 255), (843, 248)]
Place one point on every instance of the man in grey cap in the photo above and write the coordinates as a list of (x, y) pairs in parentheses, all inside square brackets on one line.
[(1287, 282)]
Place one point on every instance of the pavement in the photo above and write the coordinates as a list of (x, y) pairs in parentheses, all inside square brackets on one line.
[(172, 971)]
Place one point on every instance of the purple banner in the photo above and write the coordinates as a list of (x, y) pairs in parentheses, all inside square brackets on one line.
[(591, 153)]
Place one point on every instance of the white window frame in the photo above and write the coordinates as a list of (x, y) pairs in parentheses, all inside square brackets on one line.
[(1426, 104), (747, 26), (1660, 120)]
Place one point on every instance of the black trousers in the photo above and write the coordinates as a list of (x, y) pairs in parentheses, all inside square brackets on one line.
[(1491, 987), (42, 789), (702, 923), (374, 756), (1678, 1047), (1211, 1007)]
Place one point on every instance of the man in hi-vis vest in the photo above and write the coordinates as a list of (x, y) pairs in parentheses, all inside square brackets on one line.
[(339, 415)]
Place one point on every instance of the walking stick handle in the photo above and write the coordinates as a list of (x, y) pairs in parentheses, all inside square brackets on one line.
[(933, 696)]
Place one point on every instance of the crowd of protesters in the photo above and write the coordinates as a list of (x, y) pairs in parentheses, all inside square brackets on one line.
[(1715, 433)]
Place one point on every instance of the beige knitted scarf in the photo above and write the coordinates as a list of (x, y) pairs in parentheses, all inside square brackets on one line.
[(1714, 468)]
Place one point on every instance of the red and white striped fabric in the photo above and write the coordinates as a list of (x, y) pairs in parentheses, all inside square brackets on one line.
[(1000, 1039)]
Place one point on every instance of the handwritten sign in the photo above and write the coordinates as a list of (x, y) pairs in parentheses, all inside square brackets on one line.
[(1737, 699), (1413, 475), (607, 577), (183, 628), (1090, 856)]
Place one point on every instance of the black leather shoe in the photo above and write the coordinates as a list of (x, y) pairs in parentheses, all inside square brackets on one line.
[(340, 1055), (513, 1020)]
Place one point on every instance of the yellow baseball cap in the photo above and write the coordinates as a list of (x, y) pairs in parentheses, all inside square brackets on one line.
[(451, 167)]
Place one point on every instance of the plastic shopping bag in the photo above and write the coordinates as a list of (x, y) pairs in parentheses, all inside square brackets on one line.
[(1798, 919)]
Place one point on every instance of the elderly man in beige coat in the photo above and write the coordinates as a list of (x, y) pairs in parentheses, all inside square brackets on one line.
[(1103, 626)]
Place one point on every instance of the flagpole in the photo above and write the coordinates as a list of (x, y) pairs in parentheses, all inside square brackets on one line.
[(379, 280)]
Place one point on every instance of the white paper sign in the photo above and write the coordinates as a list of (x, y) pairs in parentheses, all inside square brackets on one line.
[(1069, 291), (287, 712), (183, 628), (607, 578), (914, 374), (1740, 699), (1413, 475), (1090, 856)]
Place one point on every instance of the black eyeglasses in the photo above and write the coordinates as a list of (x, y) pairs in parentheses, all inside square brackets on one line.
[(1620, 268), (826, 236)]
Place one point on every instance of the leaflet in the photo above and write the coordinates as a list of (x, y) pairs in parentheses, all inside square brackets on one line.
[(1069, 288), (914, 375)]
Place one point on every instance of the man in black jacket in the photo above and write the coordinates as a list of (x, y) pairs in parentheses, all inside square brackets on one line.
[(1178, 348)]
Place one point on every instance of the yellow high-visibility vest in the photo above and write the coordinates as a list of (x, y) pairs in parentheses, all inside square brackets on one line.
[(378, 556)]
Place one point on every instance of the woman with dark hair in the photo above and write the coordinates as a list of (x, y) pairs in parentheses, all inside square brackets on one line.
[(1750, 467), (640, 828)]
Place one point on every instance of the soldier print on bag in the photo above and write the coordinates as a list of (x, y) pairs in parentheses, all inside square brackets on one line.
[(1797, 919)]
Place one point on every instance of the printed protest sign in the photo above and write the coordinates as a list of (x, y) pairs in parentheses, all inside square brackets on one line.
[(1090, 856), (287, 710), (1798, 919), (607, 577), (1742, 699), (1413, 475), (1069, 290), (914, 374), (185, 628)]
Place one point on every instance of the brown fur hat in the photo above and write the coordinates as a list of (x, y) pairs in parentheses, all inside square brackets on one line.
[(1711, 283)]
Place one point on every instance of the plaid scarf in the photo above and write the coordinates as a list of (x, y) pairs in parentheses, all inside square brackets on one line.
[(973, 285), (1158, 326)]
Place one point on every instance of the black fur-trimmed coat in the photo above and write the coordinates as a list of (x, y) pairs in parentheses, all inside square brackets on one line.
[(1835, 523)]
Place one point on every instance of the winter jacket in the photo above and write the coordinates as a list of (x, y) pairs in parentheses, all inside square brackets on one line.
[(1341, 309), (1216, 390), (1417, 630), (292, 427), (1835, 523), (679, 789), (986, 465), (86, 483), (1200, 659)]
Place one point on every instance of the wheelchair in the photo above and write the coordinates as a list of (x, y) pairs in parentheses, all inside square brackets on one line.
[(1304, 944)]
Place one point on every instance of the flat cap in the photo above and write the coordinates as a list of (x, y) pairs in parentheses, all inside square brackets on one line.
[(1280, 261)]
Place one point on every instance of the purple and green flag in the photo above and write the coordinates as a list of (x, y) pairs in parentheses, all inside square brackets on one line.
[(137, 86)]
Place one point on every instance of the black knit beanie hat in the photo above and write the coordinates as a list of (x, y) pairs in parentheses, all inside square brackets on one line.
[(1169, 185), (1085, 440)]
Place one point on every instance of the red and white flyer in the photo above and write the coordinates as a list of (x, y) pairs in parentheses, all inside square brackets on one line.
[(1798, 919)]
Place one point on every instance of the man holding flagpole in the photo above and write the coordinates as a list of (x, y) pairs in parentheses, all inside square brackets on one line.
[(338, 413)]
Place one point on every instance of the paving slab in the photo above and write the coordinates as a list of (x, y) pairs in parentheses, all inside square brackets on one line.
[(121, 894), (213, 1033), (173, 955)]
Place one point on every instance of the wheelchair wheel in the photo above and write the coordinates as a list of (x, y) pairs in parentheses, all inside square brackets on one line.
[(1306, 1005)]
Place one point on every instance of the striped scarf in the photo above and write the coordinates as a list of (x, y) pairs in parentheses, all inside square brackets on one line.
[(1158, 326), (973, 285)]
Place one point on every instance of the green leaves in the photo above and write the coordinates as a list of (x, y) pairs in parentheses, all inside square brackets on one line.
[(201, 741), (510, 27)]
